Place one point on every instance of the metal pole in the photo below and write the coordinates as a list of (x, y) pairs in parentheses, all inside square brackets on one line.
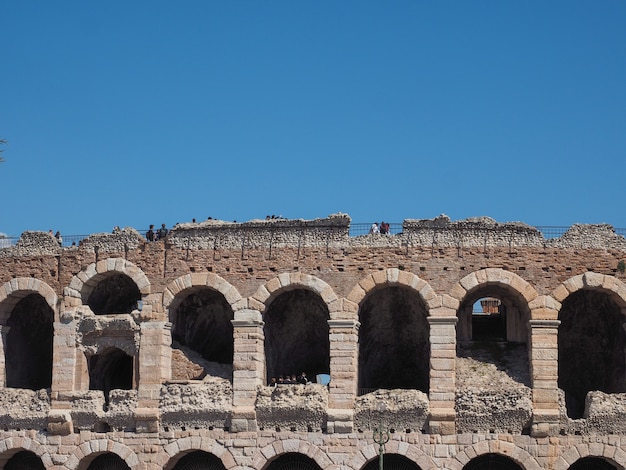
[(381, 437)]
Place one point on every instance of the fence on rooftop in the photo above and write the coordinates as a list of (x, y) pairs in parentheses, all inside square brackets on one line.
[(356, 230)]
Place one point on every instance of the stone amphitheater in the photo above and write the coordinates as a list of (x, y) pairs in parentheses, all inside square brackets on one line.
[(460, 345)]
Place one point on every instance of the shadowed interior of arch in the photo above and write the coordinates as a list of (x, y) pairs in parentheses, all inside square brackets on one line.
[(29, 344), (202, 322), (296, 335), (199, 460), (112, 369), (394, 346), (591, 344), (114, 293), (24, 460)]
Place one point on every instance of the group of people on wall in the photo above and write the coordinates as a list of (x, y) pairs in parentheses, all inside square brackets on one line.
[(383, 228), (302, 379), (160, 234)]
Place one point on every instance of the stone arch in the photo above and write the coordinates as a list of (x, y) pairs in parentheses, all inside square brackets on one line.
[(610, 453), (505, 283), (591, 339), (172, 297), (201, 310), (83, 283), (91, 449), (411, 451), (296, 310), (397, 356), (16, 289), (13, 445), (393, 277), (172, 452), (264, 456), (593, 281), (27, 314), (506, 449), (290, 281)]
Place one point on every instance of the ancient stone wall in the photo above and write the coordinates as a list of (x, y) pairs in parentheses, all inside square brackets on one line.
[(391, 320)]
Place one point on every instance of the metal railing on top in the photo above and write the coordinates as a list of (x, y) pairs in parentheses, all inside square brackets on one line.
[(355, 230)]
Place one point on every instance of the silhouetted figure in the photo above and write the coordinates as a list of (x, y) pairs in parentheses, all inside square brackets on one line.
[(162, 233), (150, 236)]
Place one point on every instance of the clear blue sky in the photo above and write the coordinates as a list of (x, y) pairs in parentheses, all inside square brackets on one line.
[(136, 112)]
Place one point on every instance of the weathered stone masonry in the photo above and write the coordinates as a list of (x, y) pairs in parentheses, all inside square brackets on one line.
[(121, 353)]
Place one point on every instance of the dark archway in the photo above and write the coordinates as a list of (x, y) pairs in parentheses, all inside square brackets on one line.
[(492, 462), (29, 344), (297, 335), (116, 293), (592, 463), (113, 369), (392, 462), (24, 460), (591, 348), (203, 322), (394, 345), (199, 460), (108, 461), (293, 461)]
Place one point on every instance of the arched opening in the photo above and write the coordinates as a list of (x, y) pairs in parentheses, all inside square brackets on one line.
[(297, 335), (493, 360), (199, 460), (116, 293), (394, 345), (492, 462), (293, 461), (203, 322), (392, 462), (28, 350), (112, 369), (592, 463), (24, 460), (591, 345), (108, 461)]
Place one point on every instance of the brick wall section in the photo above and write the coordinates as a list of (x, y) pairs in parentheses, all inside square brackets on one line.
[(434, 256)]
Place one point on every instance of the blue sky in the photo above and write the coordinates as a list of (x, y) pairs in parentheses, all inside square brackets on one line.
[(131, 113)]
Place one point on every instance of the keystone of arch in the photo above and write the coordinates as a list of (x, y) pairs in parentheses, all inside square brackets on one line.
[(593, 281), (290, 281), (506, 449), (215, 282), (493, 276), (19, 444), (609, 452), (99, 447), (279, 447), (410, 451), (393, 277), (197, 443), (20, 287), (86, 280)]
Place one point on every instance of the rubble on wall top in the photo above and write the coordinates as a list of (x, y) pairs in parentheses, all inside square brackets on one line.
[(332, 231)]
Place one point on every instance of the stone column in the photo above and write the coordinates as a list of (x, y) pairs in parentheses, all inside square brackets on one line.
[(544, 358), (248, 368), (343, 369), (4, 331), (442, 374), (154, 367), (63, 375)]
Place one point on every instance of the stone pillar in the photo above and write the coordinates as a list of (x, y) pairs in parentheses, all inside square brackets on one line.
[(544, 358), (154, 367), (248, 368), (343, 369), (63, 375), (4, 331), (442, 374)]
